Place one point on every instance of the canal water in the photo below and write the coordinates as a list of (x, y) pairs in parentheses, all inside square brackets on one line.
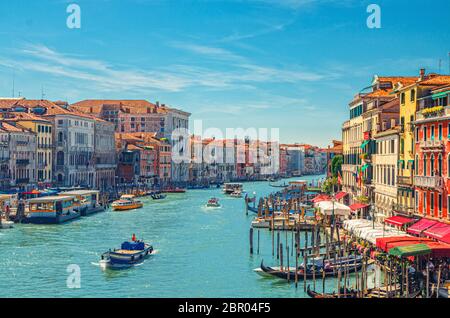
[(200, 252)]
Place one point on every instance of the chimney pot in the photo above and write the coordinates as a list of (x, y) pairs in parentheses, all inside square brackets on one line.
[(422, 73)]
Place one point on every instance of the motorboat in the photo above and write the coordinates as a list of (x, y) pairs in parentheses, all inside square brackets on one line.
[(127, 202)]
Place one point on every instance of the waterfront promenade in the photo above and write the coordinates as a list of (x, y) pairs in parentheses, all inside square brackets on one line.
[(200, 252)]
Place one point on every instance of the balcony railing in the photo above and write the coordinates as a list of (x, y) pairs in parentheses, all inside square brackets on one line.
[(403, 209), (405, 180), (432, 144), (435, 182)]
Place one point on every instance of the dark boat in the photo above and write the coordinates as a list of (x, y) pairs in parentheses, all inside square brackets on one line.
[(158, 196), (344, 294), (278, 185), (331, 271), (130, 254)]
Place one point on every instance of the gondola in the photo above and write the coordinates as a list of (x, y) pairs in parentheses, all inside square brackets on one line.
[(344, 294), (332, 271), (158, 196), (278, 185)]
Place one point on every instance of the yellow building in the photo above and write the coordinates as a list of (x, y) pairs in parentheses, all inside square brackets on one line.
[(44, 140), (410, 95)]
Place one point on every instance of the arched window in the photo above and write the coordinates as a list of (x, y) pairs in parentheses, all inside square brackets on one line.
[(424, 165), (440, 165), (60, 158), (416, 165), (432, 169)]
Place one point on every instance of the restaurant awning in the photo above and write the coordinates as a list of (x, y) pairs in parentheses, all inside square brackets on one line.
[(340, 195), (439, 249), (446, 239), (358, 206), (421, 226), (336, 208), (438, 231), (321, 197), (410, 250), (398, 220), (386, 243)]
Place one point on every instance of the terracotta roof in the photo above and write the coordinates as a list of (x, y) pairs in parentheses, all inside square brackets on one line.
[(95, 106), (6, 127), (437, 80), (19, 116)]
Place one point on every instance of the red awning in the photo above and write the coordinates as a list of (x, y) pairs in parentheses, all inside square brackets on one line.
[(340, 195), (386, 243), (421, 226), (438, 231), (446, 239), (358, 206), (398, 220), (439, 249), (321, 197)]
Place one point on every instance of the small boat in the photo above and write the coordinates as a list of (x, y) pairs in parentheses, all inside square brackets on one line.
[(279, 185), (127, 202), (213, 203), (236, 194), (230, 188), (6, 224), (129, 254), (158, 196), (344, 294), (175, 190), (331, 271)]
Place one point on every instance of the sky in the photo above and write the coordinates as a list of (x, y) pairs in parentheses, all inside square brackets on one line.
[(288, 64)]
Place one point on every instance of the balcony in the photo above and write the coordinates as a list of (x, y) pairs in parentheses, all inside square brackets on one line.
[(432, 112), (22, 162), (435, 182), (431, 145), (405, 180), (403, 209)]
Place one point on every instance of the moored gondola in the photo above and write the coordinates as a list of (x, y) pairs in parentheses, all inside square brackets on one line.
[(344, 294)]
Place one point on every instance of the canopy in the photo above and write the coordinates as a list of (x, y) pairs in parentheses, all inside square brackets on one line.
[(340, 195), (321, 197), (439, 95), (328, 208), (358, 206), (386, 243), (438, 231), (398, 220), (446, 239), (365, 229), (421, 226), (410, 250), (439, 250)]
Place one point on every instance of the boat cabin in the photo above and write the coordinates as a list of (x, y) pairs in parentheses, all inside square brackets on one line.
[(84, 199), (229, 188), (53, 204)]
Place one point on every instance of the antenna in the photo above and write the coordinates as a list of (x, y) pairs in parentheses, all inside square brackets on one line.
[(13, 83), (440, 66), (42, 92)]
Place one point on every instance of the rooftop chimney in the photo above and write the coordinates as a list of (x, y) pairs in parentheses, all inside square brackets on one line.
[(422, 74)]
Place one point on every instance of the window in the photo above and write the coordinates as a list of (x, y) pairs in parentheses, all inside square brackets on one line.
[(432, 132), (413, 95), (432, 170), (440, 132), (402, 98), (432, 201), (417, 199), (440, 165), (417, 134), (424, 200), (425, 132), (425, 165), (440, 202)]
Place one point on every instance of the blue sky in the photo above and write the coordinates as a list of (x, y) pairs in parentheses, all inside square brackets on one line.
[(288, 64)]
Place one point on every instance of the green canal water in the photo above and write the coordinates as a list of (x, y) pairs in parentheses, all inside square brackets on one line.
[(200, 252)]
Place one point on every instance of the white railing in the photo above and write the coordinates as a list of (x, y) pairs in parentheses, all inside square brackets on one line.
[(435, 182)]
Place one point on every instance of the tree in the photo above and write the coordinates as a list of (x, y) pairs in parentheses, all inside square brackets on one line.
[(336, 165), (329, 184)]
